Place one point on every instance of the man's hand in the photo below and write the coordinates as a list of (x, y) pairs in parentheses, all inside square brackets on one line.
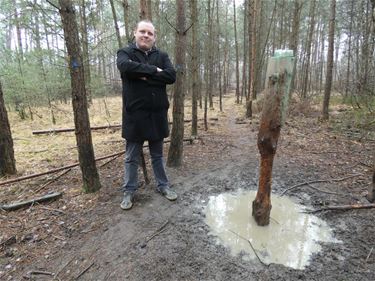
[(159, 69), (143, 78)]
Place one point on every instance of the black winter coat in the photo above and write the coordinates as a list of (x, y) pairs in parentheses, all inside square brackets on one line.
[(145, 102)]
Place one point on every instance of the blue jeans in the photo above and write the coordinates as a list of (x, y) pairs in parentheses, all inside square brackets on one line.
[(132, 160)]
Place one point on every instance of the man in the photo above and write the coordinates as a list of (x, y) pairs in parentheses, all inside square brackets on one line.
[(145, 72)]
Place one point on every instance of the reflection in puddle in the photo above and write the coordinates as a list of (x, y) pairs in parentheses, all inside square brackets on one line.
[(290, 239)]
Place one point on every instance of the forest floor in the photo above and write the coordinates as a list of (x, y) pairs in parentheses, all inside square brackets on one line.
[(88, 237)]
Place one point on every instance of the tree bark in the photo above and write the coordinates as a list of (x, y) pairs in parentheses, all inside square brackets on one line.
[(7, 161), (142, 9), (175, 153), (331, 40), (90, 174), (371, 193), (85, 50)]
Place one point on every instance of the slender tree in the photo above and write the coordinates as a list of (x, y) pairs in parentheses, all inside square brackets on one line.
[(114, 15), (7, 161), (90, 174), (175, 152), (195, 67), (295, 37), (328, 82), (307, 58), (237, 54)]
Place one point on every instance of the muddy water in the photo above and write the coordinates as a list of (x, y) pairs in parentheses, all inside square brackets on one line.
[(290, 239)]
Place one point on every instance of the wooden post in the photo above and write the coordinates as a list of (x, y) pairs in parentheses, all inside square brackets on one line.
[(279, 75)]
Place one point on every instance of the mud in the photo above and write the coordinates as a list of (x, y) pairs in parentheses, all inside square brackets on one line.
[(130, 245)]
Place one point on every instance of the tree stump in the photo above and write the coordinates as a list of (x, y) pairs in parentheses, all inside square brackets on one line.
[(273, 115), (268, 136)]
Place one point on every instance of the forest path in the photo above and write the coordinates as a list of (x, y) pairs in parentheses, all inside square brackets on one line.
[(162, 240)]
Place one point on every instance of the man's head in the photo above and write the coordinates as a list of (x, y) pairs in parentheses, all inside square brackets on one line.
[(144, 34)]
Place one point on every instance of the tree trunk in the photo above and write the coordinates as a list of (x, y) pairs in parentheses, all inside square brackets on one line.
[(125, 5), (18, 30), (149, 10), (175, 153), (226, 51), (218, 59), (195, 67), (244, 63), (85, 50), (252, 91), (295, 37), (331, 39), (142, 9), (210, 61), (115, 23), (7, 161), (90, 175), (347, 84), (306, 70), (371, 193), (237, 55)]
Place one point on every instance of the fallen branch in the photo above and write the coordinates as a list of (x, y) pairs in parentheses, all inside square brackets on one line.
[(84, 270), (190, 140), (18, 205), (251, 245), (316, 181), (56, 131), (342, 208), (55, 170)]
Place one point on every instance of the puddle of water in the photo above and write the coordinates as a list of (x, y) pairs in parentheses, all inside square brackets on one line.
[(290, 238)]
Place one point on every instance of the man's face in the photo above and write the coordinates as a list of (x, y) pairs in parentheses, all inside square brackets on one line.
[(145, 36)]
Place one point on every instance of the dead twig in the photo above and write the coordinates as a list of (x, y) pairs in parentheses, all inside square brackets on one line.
[(251, 245), (369, 254), (157, 232), (341, 208), (109, 161), (53, 180), (61, 269), (323, 191), (84, 270), (53, 210), (38, 272), (316, 181)]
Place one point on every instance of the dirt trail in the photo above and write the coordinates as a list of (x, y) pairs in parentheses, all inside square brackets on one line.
[(116, 245)]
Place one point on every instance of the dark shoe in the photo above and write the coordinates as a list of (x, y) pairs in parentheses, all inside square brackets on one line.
[(168, 193), (127, 201)]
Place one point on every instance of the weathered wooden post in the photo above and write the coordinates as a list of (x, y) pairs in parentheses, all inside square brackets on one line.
[(276, 95)]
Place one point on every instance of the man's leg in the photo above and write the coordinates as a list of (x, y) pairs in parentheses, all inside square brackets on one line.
[(132, 154), (157, 160)]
